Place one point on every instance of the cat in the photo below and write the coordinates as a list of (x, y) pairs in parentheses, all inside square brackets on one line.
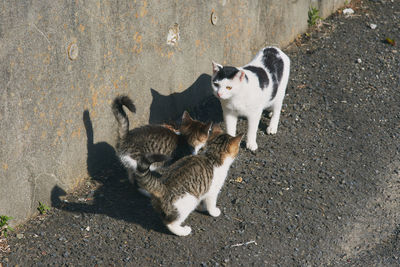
[(192, 181), (248, 90), (155, 143)]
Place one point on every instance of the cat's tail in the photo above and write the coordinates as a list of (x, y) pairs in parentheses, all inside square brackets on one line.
[(146, 179), (120, 115)]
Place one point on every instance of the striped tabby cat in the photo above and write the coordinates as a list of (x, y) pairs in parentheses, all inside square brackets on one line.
[(193, 181), (155, 143)]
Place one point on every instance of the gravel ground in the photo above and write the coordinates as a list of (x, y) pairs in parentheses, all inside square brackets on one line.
[(324, 191)]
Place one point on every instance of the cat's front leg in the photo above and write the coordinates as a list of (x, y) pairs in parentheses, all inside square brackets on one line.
[(253, 121), (211, 205), (230, 120)]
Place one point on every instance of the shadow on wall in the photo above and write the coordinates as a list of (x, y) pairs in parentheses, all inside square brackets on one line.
[(197, 99), (114, 195)]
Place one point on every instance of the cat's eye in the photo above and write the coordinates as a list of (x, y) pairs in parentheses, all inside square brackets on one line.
[(216, 85), (229, 87)]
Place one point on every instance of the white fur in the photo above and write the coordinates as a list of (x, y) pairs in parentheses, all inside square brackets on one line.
[(129, 162), (248, 100), (210, 198), (197, 148), (186, 204)]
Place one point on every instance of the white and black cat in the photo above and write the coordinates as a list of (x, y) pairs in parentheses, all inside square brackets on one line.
[(155, 143), (193, 181), (248, 90)]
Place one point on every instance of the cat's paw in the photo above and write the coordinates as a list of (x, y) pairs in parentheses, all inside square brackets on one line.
[(272, 130), (186, 230), (252, 145), (215, 212), (179, 230)]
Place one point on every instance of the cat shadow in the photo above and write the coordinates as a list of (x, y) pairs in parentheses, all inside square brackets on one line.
[(114, 196), (197, 99)]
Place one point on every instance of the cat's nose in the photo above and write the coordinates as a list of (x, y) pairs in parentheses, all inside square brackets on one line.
[(219, 94)]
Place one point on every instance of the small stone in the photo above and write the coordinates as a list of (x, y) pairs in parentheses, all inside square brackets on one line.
[(373, 26), (239, 179), (87, 228), (348, 11), (20, 236), (359, 60)]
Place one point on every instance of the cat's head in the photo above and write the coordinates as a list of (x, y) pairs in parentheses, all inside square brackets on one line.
[(223, 146), (195, 132), (226, 81)]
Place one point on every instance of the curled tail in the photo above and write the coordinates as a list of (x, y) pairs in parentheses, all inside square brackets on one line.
[(120, 115), (146, 179)]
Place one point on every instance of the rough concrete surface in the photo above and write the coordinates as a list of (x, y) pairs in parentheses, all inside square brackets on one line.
[(324, 191), (60, 58)]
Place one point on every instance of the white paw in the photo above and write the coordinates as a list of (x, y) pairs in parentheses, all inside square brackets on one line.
[(272, 130), (252, 145), (179, 230), (186, 230), (215, 212)]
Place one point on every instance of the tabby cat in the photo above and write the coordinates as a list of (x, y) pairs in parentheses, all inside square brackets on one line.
[(248, 90), (155, 143), (193, 181)]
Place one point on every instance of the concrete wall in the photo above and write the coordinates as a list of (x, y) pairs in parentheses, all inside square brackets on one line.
[(62, 63)]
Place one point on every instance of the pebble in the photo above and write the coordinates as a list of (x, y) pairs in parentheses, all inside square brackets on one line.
[(359, 60), (20, 236), (372, 26), (348, 11)]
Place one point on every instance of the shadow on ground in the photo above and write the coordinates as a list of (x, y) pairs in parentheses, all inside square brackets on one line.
[(114, 196)]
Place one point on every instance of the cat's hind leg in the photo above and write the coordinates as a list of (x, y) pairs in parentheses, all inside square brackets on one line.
[(277, 105), (184, 207), (276, 113)]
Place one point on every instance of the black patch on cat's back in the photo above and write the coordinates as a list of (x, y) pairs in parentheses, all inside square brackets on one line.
[(226, 72), (274, 63), (261, 75)]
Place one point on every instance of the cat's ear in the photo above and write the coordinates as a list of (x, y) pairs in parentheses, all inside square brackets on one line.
[(209, 127), (240, 75), (216, 67), (236, 140), (216, 130), (234, 144), (186, 117)]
